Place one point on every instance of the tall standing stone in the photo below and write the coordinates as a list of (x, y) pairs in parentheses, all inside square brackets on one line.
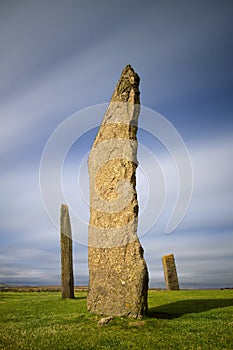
[(67, 279), (170, 273), (118, 274)]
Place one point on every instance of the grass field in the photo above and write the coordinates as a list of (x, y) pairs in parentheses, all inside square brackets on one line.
[(176, 320)]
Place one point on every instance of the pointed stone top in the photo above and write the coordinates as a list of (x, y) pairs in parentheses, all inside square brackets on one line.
[(65, 221), (127, 68), (127, 88), (64, 209)]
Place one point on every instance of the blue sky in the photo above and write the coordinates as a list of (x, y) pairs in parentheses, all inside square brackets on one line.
[(60, 57)]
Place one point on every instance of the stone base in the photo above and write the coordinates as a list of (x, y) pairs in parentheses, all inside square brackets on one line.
[(118, 289)]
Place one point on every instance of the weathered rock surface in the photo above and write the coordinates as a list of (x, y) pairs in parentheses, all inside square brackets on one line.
[(170, 274), (67, 279), (118, 273)]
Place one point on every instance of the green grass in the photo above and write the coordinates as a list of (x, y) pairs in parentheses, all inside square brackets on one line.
[(176, 320)]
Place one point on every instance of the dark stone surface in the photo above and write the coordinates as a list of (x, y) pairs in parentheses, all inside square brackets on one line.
[(170, 274), (67, 279)]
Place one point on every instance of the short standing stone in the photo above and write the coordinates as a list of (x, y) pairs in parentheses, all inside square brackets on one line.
[(67, 279), (170, 273), (118, 273)]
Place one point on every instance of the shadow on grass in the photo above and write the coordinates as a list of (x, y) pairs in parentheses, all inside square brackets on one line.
[(183, 307), (76, 298), (79, 298)]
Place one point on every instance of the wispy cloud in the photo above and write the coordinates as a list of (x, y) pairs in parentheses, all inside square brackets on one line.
[(57, 58)]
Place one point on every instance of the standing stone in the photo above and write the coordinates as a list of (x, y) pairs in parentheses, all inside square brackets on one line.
[(118, 273), (170, 273), (67, 279)]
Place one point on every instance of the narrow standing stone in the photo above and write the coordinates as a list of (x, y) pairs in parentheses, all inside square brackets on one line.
[(67, 279), (170, 273), (118, 273)]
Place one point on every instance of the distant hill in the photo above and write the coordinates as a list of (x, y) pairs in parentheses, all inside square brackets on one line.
[(27, 288), (3, 285), (6, 285)]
